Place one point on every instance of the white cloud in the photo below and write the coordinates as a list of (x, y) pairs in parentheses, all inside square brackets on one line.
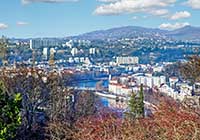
[(47, 1), (21, 23), (135, 18), (132, 6), (159, 12), (169, 26), (180, 15), (145, 16), (108, 0), (3, 26), (195, 4)]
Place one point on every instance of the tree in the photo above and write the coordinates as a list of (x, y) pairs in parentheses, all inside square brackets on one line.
[(59, 94), (172, 70), (191, 69), (10, 118), (132, 106), (136, 104), (3, 52), (29, 83), (171, 121), (141, 102), (78, 106)]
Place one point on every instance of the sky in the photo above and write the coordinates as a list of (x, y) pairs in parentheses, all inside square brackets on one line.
[(61, 18)]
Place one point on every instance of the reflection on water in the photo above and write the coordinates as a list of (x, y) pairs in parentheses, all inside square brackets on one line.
[(106, 102)]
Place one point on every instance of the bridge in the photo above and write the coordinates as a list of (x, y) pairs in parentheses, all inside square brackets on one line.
[(113, 96), (124, 98), (83, 88)]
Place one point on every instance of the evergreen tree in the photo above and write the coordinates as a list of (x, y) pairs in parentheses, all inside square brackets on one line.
[(136, 104), (132, 106), (10, 117)]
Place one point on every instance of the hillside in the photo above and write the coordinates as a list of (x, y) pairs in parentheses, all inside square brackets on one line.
[(185, 33)]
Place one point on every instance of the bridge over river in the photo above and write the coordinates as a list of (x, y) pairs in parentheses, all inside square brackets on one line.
[(106, 94)]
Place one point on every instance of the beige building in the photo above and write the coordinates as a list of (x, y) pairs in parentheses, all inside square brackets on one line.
[(127, 60)]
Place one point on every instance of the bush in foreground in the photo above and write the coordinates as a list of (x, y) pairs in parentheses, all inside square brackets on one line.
[(10, 118)]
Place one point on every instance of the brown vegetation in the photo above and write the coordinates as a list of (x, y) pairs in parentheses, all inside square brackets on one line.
[(170, 122), (72, 115), (46, 100), (191, 69)]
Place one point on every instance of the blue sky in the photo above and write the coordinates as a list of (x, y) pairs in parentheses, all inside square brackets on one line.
[(59, 18)]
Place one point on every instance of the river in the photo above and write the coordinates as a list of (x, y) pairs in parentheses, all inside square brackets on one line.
[(106, 102), (92, 84)]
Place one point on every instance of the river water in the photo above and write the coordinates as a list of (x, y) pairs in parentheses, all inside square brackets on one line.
[(92, 84), (117, 106), (106, 102)]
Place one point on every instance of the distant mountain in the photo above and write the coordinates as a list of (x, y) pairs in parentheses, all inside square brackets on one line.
[(185, 33), (121, 32)]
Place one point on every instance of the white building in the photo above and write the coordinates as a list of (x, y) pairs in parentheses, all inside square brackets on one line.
[(171, 93), (82, 59), (135, 68), (162, 80), (141, 80), (38, 43), (71, 60), (69, 44), (120, 89), (127, 60), (120, 86), (74, 51), (45, 53), (76, 59), (185, 89), (87, 61), (156, 81), (157, 68), (150, 81), (92, 50), (173, 81)]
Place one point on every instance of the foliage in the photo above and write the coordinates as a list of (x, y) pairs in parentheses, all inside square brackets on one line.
[(191, 69), (60, 130), (132, 106), (141, 102), (45, 102), (33, 90), (136, 104), (10, 117), (3, 52), (80, 105), (172, 70), (170, 122), (72, 114), (104, 126)]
